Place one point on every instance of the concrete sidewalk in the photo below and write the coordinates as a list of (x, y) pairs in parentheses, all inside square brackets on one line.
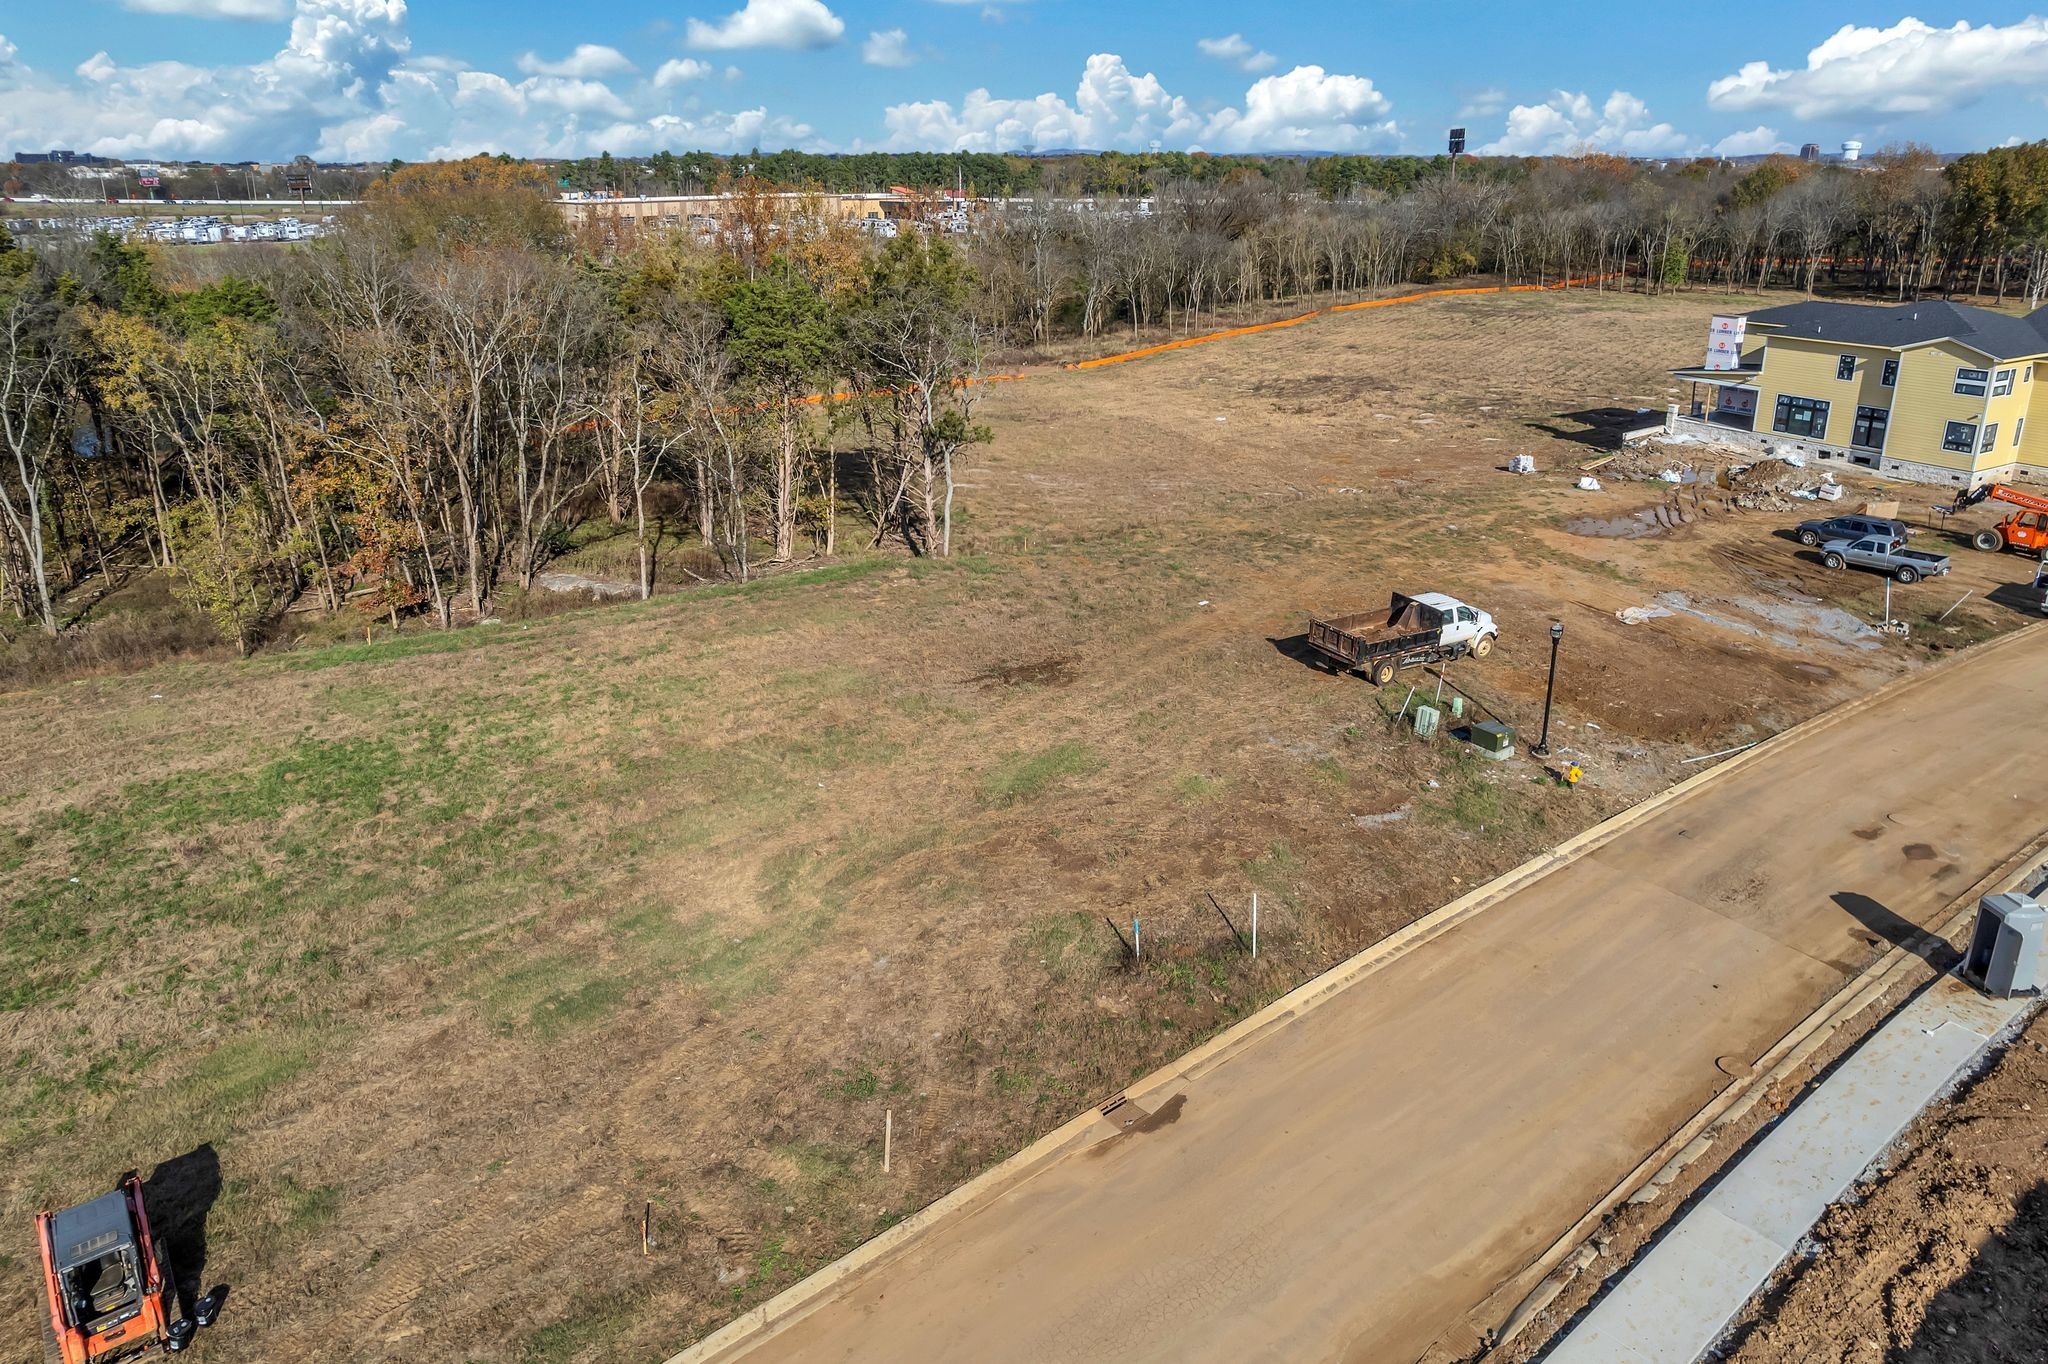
[(1678, 1299), (1352, 1175)]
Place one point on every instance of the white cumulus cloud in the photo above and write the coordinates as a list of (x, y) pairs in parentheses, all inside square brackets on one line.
[(887, 47), (589, 59), (771, 23), (1757, 141), (346, 86), (681, 70), (1567, 122), (1307, 108), (1909, 68), (270, 10), (1238, 51)]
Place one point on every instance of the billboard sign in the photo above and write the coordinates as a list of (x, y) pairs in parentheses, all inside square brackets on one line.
[(1457, 142), (148, 177), (1724, 342)]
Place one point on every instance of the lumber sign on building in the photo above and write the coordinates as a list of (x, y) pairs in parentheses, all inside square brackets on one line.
[(1724, 342)]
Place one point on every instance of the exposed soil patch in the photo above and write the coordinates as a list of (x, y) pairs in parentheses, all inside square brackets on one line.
[(1939, 1260), (1046, 672)]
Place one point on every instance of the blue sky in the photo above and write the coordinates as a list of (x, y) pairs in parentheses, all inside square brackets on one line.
[(368, 79)]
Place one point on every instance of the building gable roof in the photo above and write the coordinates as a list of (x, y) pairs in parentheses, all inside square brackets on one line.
[(1911, 324)]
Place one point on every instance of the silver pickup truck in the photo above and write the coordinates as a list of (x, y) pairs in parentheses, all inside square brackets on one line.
[(1886, 555)]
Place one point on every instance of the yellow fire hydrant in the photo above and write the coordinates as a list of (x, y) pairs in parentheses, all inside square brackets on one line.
[(1572, 774)]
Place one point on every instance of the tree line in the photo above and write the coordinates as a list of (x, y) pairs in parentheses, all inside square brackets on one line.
[(423, 411), (1901, 225), (417, 415)]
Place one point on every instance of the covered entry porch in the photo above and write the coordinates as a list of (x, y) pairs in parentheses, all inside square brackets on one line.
[(1722, 397)]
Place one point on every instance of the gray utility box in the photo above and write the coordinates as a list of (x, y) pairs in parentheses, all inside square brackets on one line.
[(2005, 947)]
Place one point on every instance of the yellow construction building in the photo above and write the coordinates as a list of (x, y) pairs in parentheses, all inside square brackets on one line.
[(1931, 392)]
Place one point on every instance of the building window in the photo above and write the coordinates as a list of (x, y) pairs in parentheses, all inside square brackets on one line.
[(1960, 437), (2019, 428), (1806, 417), (1869, 429), (1990, 441), (2001, 385), (1845, 367), (1971, 381), (1890, 377)]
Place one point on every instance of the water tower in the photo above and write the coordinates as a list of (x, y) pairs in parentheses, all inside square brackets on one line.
[(1851, 150)]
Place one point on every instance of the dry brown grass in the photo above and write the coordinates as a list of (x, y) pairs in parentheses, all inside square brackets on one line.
[(460, 948)]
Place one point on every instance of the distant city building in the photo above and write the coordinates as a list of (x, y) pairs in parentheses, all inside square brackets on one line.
[(60, 158), (1810, 152)]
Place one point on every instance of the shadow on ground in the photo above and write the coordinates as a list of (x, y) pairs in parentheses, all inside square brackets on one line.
[(2020, 597), (180, 1194), (1996, 1309), (1899, 932), (1598, 427), (1301, 651)]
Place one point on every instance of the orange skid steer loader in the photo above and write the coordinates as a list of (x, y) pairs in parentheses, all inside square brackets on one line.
[(108, 1285)]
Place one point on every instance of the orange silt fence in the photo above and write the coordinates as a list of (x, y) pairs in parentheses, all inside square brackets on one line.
[(1204, 339), (1207, 337)]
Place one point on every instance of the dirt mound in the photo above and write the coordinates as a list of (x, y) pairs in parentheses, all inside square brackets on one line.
[(1650, 463), (1770, 484)]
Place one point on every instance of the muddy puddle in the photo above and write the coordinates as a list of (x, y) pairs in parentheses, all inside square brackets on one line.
[(1790, 619), (1635, 525)]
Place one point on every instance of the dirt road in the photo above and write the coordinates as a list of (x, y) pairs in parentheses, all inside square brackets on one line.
[(1352, 1184)]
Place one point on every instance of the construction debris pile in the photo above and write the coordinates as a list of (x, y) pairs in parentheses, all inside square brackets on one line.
[(1777, 484), (1650, 463)]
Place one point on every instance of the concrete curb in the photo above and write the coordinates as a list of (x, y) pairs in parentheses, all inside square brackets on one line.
[(800, 1298), (1783, 1059), (1680, 1295)]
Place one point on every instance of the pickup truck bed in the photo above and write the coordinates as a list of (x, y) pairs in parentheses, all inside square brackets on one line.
[(1886, 556)]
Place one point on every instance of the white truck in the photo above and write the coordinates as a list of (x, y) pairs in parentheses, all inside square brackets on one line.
[(1428, 627)]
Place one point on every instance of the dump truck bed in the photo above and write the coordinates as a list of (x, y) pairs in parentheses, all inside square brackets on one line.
[(1357, 636)]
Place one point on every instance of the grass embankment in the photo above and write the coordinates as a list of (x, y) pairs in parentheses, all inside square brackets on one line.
[(461, 949)]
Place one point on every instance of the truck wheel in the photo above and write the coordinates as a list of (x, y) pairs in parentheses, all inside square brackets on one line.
[(1809, 538), (1381, 674), (1832, 560), (1988, 540), (1909, 574), (1482, 646)]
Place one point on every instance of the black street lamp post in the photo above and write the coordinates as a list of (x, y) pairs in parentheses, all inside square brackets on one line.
[(1542, 749)]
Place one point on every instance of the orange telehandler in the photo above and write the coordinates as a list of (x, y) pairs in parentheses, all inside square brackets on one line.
[(2025, 529)]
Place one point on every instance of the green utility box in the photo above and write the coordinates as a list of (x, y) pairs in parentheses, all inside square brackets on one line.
[(1492, 738)]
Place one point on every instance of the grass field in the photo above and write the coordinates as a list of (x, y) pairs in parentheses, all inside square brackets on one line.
[(457, 951)]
